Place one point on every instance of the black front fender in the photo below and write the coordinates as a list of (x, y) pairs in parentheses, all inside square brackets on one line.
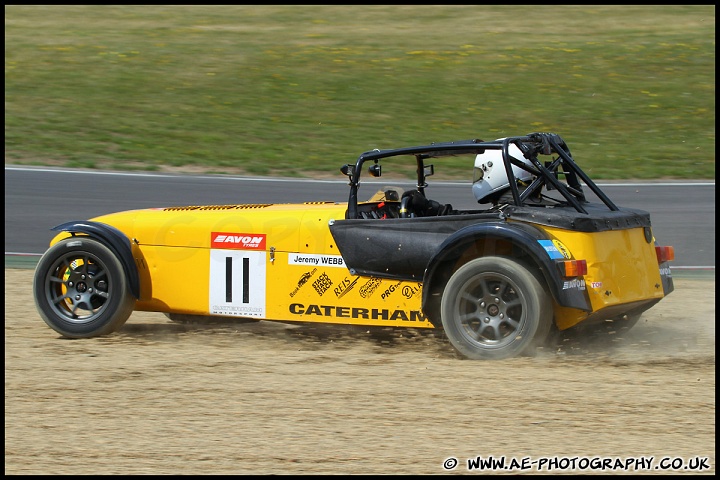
[(524, 240), (112, 238)]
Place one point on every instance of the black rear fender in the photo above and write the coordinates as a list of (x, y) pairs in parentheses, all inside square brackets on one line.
[(518, 241)]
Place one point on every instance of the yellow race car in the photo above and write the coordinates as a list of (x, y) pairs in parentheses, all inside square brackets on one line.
[(535, 255)]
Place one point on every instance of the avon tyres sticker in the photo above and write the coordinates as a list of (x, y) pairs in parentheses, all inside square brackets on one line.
[(555, 249), (237, 241), (316, 260)]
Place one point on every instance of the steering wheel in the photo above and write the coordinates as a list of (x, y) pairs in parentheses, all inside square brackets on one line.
[(412, 204)]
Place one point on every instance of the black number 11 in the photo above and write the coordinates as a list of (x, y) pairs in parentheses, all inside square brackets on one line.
[(245, 279)]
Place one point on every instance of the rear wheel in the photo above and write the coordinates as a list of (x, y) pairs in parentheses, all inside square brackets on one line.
[(494, 308), (81, 290)]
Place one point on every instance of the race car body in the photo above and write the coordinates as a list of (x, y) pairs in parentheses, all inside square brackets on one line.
[(495, 279)]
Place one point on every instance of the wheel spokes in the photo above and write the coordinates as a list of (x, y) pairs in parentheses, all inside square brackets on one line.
[(99, 274), (61, 298), (490, 309), (72, 289)]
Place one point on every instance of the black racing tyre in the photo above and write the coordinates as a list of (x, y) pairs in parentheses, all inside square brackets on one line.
[(81, 290), (494, 308), (189, 319)]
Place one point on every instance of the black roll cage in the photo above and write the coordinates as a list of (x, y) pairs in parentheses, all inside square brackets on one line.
[(531, 145)]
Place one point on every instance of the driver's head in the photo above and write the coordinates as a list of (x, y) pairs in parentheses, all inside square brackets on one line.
[(490, 178)]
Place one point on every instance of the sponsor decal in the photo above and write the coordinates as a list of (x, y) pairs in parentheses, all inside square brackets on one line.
[(303, 280), (562, 248), (551, 249), (409, 291), (596, 284), (322, 284), (665, 271), (369, 287), (354, 312), (237, 310), (579, 284), (389, 290), (345, 286), (237, 241), (317, 260)]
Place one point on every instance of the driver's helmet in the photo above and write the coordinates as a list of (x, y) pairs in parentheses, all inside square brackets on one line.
[(490, 177)]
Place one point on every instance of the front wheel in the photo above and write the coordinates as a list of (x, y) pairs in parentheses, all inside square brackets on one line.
[(494, 308), (81, 290)]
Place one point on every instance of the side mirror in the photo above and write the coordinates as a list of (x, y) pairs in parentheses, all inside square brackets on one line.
[(347, 169), (375, 170), (429, 170)]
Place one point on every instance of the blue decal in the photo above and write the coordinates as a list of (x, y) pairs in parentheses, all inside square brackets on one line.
[(551, 249)]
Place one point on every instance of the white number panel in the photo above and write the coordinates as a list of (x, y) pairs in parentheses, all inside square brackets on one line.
[(237, 283)]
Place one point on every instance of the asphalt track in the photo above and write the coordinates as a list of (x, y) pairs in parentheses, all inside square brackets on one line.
[(37, 199)]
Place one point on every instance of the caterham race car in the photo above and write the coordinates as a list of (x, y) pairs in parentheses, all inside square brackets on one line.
[(538, 254)]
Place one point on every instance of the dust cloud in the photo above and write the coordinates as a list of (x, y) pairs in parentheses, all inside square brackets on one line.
[(160, 397)]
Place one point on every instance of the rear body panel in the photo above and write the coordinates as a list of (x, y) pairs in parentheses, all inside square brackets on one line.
[(622, 270)]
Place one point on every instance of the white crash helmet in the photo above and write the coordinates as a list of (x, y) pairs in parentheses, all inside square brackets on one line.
[(490, 177)]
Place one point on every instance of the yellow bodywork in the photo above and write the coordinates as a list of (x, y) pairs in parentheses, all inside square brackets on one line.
[(622, 268), (275, 262), (280, 262)]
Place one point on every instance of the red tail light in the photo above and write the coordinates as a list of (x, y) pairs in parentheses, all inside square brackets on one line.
[(573, 268), (665, 254)]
